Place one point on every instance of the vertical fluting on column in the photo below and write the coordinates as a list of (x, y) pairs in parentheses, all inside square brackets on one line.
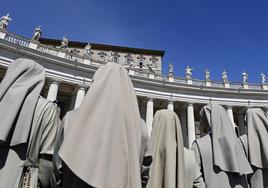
[(53, 90), (190, 124), (149, 115), (81, 92), (170, 106)]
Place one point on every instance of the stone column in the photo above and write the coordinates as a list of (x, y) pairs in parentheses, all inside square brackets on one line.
[(81, 92), (53, 90), (190, 124), (150, 115), (230, 114), (170, 106)]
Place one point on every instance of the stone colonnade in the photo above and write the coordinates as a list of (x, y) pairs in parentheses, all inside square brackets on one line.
[(187, 115), (54, 85)]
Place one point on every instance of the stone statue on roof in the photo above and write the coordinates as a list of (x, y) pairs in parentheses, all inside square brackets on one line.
[(170, 70), (131, 65), (188, 72), (244, 77), (150, 68), (37, 33), (4, 20), (207, 75), (225, 77), (110, 57), (263, 78), (64, 43), (87, 50)]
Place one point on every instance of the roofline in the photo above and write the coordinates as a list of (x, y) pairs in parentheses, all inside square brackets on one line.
[(106, 47)]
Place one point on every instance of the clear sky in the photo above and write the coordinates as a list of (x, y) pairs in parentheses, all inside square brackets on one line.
[(213, 34)]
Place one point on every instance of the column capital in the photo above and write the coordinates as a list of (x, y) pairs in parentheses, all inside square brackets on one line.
[(228, 106), (190, 103), (54, 80), (150, 98), (82, 86), (80, 94)]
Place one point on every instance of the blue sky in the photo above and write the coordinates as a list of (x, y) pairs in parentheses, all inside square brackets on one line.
[(213, 34)]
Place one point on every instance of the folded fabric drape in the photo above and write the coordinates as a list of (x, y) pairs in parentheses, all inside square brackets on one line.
[(19, 92), (102, 138)]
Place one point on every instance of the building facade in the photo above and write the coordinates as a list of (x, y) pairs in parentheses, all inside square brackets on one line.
[(71, 65)]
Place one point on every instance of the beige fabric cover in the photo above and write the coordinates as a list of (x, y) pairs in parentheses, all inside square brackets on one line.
[(257, 130), (19, 92), (41, 142), (102, 138), (28, 126), (214, 176), (166, 141), (145, 155), (228, 153), (193, 175), (255, 143)]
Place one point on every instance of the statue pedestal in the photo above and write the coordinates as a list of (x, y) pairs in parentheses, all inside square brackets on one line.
[(131, 72), (61, 54), (87, 61), (189, 81), (208, 83), (170, 79), (226, 85), (33, 45), (2, 34), (245, 86), (264, 86), (151, 76)]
